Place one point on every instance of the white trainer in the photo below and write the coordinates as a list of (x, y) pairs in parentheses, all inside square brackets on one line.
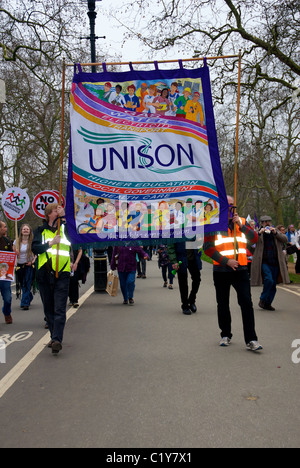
[(225, 341), (254, 346)]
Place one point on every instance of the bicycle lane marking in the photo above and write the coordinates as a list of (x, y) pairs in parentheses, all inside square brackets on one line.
[(15, 373)]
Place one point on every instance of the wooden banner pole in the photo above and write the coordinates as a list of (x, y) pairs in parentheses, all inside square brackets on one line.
[(198, 59), (16, 233), (61, 155), (237, 146)]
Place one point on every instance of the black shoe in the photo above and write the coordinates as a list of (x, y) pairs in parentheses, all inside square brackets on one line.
[(193, 308), (262, 304), (56, 347), (186, 311), (269, 307)]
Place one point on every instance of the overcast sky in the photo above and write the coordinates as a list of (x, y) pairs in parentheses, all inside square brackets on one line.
[(107, 26), (133, 50)]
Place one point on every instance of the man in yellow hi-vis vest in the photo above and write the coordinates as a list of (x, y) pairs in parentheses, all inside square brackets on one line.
[(53, 290)]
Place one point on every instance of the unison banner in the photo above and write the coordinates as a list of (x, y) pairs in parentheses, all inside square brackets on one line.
[(144, 161)]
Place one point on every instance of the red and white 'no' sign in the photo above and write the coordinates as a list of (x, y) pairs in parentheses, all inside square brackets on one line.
[(42, 199)]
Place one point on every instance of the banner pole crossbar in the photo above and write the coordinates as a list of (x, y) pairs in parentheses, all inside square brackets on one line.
[(198, 59)]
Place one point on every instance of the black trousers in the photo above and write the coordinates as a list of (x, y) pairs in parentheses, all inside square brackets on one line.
[(54, 294), (74, 288), (186, 298), (240, 281), (297, 266)]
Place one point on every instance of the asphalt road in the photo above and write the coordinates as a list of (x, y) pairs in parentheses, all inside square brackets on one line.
[(146, 376)]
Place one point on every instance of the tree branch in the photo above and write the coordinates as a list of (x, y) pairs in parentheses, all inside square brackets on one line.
[(271, 49)]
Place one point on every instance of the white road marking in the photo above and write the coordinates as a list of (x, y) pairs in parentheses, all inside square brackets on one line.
[(289, 290), (14, 374)]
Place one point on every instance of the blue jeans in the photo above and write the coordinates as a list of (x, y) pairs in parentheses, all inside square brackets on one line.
[(127, 283), (270, 275), (25, 279), (5, 288)]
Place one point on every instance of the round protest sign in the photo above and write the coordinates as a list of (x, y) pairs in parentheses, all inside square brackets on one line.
[(15, 202), (19, 218), (42, 199)]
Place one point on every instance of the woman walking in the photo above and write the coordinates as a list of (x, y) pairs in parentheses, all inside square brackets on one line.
[(25, 265), (124, 260)]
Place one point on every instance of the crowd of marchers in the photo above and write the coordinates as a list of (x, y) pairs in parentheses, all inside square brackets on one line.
[(247, 255)]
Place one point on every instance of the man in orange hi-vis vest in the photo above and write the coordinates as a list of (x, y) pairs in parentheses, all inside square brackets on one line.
[(229, 254)]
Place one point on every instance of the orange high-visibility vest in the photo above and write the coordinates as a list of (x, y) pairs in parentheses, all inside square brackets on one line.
[(225, 245)]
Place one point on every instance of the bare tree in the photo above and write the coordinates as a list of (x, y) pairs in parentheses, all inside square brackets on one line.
[(269, 153), (31, 129), (35, 33), (34, 36), (219, 27), (268, 35)]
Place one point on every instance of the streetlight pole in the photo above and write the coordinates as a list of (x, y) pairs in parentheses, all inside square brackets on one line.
[(92, 16), (100, 258), (92, 37)]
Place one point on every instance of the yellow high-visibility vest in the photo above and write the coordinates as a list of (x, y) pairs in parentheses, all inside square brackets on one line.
[(64, 261)]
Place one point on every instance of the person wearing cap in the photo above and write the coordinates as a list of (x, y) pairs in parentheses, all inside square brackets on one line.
[(180, 103), (193, 109), (104, 94), (268, 264)]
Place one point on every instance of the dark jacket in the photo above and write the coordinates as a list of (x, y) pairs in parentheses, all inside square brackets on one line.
[(177, 252), (256, 269), (6, 244)]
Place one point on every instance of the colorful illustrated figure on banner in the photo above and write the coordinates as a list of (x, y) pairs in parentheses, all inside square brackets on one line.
[(42, 199), (144, 161), (7, 265)]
